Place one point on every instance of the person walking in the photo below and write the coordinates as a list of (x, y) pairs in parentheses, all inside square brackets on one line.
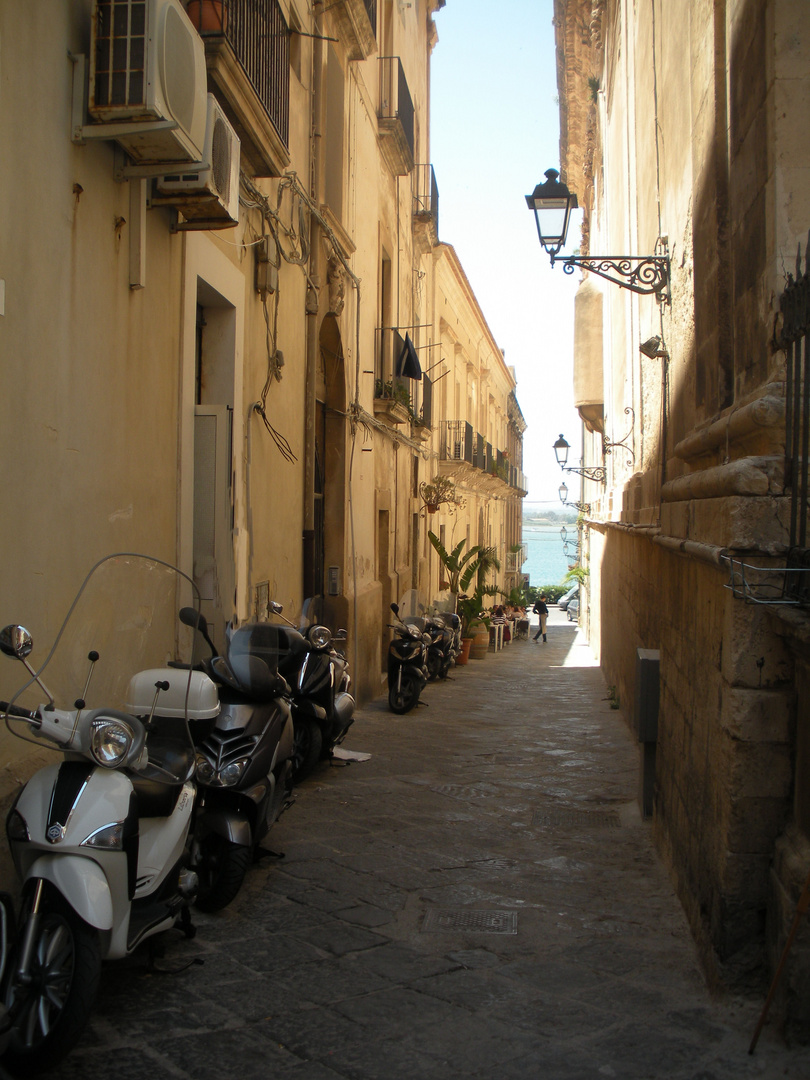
[(541, 609)]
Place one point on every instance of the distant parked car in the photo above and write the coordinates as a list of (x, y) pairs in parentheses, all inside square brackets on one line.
[(573, 610), (564, 600)]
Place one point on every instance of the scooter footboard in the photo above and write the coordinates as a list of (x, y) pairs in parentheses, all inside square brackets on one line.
[(83, 884)]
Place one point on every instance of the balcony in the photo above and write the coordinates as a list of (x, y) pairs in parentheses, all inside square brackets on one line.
[(456, 454), (425, 208), (248, 61), (357, 26), (395, 117)]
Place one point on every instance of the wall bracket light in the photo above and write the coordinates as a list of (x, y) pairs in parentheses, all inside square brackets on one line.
[(583, 508), (597, 473), (552, 204)]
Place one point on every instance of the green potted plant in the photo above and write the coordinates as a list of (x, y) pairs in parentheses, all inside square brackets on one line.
[(441, 490)]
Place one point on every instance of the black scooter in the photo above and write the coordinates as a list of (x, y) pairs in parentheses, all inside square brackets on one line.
[(322, 707), (407, 664), (444, 629), (245, 762)]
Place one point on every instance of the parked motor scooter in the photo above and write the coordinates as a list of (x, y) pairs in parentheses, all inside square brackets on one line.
[(323, 708), (245, 761), (444, 630), (99, 838), (6, 940), (407, 664)]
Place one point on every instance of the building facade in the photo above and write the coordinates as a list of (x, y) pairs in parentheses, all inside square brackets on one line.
[(221, 331), (683, 136)]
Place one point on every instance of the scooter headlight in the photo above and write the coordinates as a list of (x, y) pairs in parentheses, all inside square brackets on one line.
[(110, 742), (232, 773), (205, 770), (320, 637)]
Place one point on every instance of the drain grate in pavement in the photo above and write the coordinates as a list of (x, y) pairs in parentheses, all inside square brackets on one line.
[(576, 819), (472, 921)]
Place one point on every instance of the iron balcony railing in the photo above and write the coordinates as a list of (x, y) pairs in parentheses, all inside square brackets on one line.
[(426, 195), (795, 307), (260, 39), (480, 459), (371, 11), (456, 441), (395, 97)]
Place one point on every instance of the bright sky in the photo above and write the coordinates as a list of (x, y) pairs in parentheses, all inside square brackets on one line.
[(495, 129)]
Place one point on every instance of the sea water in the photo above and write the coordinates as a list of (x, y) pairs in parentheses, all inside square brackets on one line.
[(547, 563)]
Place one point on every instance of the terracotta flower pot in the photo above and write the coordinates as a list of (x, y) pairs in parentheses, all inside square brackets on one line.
[(464, 656), (208, 16)]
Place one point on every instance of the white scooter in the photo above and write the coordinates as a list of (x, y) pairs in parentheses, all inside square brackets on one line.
[(100, 837)]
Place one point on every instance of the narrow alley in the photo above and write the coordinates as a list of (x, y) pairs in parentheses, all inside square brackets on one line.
[(478, 899)]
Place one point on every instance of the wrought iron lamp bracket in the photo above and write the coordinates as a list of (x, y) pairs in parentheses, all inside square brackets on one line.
[(642, 274), (607, 446), (597, 473)]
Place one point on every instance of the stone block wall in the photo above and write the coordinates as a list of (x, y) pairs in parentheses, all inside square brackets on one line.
[(724, 768)]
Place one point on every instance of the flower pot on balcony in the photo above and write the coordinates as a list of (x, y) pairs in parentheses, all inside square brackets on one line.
[(208, 16)]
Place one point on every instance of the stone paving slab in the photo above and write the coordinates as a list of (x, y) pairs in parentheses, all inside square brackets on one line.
[(479, 900)]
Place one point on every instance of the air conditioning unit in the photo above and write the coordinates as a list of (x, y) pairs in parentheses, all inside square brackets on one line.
[(209, 198), (147, 74)]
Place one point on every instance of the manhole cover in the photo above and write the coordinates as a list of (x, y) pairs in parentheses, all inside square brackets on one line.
[(472, 921), (576, 819)]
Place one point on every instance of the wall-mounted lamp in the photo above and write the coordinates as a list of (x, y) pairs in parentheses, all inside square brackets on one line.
[(583, 508), (652, 348), (597, 473), (552, 204)]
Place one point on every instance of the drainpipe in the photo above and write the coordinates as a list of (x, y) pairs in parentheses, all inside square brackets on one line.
[(310, 586)]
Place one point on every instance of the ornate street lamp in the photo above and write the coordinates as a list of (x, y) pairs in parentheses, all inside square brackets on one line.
[(552, 204), (583, 508), (597, 473)]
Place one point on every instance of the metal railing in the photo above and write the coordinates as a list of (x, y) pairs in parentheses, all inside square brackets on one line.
[(395, 97), (456, 441), (371, 11), (426, 195), (260, 39)]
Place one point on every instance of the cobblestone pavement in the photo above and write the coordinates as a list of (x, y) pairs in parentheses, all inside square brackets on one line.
[(478, 900)]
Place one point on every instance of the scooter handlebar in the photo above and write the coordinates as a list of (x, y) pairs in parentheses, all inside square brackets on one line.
[(18, 712)]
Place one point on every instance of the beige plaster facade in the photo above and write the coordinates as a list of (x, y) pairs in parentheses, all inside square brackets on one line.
[(684, 134), (217, 397)]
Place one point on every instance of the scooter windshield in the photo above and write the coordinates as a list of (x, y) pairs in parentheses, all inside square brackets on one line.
[(254, 651), (123, 619)]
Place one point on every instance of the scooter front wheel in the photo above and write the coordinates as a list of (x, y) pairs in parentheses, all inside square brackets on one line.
[(49, 1011), (306, 748), (221, 869), (403, 699)]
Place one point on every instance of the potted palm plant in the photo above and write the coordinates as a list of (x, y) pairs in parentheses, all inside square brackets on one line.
[(460, 568)]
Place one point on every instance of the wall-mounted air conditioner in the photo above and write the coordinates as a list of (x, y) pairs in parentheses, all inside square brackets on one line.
[(148, 77), (209, 199)]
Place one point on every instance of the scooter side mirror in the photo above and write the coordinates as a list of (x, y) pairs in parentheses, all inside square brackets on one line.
[(341, 635), (189, 616), (274, 607), (16, 641), (395, 608)]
